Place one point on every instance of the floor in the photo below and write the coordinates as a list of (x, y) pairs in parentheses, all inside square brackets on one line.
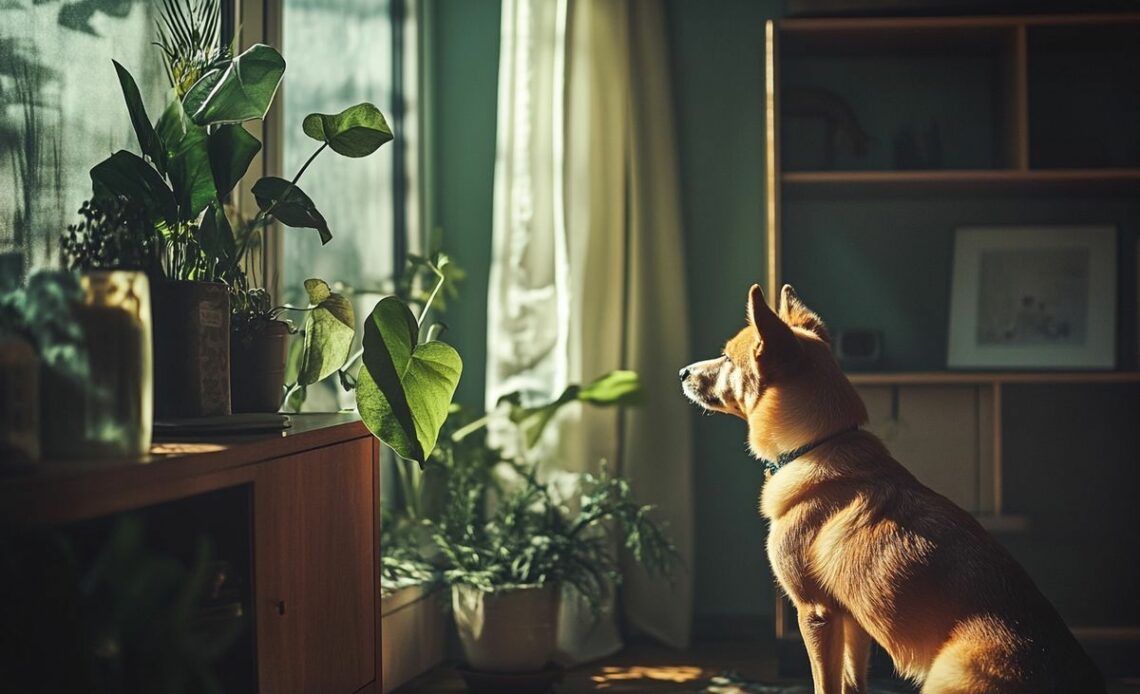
[(649, 669)]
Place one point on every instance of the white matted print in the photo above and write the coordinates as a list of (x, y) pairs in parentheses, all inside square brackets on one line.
[(1034, 298)]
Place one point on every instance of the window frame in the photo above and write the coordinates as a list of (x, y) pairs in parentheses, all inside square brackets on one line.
[(261, 21)]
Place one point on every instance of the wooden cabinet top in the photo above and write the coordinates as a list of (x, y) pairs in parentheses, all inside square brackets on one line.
[(51, 492)]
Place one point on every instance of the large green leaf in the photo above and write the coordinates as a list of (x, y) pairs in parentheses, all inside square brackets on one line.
[(289, 204), (356, 131), (404, 389), (126, 174), (243, 91), (613, 388), (329, 330), (188, 160), (148, 140), (232, 150), (195, 96), (215, 235)]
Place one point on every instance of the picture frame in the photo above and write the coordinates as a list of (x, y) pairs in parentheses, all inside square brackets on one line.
[(1033, 297)]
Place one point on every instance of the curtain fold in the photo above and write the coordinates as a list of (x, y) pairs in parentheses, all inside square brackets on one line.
[(587, 272)]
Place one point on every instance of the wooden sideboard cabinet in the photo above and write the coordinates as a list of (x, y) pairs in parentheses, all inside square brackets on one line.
[(303, 506)]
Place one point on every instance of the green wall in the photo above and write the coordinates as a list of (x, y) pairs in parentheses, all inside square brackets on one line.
[(462, 50), (717, 60), (718, 86)]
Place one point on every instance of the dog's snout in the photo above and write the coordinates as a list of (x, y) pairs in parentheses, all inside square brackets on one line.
[(684, 373)]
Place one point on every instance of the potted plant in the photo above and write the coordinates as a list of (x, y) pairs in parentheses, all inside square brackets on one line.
[(260, 345), (112, 248), (505, 541), (513, 542), (193, 157)]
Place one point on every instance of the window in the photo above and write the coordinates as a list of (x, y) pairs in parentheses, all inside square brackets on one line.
[(339, 53)]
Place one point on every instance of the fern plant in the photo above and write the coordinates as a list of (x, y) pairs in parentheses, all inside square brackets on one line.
[(481, 513)]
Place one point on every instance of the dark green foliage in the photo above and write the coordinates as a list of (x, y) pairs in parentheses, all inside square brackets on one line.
[(531, 538), (42, 314), (486, 518), (129, 621)]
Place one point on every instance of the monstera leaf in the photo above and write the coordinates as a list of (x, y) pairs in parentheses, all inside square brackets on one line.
[(240, 92), (288, 203), (329, 330), (356, 131), (404, 389)]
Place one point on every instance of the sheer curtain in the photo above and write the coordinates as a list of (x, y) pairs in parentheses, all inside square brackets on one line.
[(587, 273)]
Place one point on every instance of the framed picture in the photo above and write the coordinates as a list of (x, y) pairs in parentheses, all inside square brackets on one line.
[(1033, 298)]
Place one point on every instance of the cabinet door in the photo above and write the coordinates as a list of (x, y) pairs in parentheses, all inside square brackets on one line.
[(315, 546)]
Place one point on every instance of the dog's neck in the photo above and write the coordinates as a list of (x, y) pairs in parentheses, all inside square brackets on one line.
[(772, 466)]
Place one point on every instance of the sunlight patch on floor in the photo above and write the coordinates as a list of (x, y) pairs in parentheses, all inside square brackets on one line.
[(661, 673)]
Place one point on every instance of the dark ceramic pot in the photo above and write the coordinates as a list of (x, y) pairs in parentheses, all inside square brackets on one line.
[(191, 349), (257, 366)]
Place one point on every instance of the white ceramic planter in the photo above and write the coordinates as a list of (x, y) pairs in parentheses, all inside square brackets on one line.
[(513, 630)]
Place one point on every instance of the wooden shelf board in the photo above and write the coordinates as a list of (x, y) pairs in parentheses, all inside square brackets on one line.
[(989, 181), (920, 378), (856, 24)]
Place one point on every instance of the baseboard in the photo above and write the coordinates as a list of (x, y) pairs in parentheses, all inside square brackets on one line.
[(413, 634)]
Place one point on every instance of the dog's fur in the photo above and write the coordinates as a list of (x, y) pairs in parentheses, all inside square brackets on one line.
[(861, 547)]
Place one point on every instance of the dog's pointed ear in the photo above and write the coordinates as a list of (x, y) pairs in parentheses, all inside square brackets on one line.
[(778, 344), (796, 314)]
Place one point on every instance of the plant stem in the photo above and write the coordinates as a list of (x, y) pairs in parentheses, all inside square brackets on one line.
[(466, 430), (262, 215), (305, 166), (434, 292)]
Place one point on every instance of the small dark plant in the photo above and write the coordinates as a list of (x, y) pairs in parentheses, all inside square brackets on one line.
[(111, 234), (252, 310)]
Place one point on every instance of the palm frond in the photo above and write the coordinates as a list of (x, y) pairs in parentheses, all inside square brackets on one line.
[(188, 32)]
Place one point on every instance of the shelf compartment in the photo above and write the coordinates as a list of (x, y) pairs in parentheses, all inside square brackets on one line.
[(896, 92), (1084, 99)]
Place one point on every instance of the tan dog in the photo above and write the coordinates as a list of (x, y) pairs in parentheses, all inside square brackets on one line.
[(862, 548)]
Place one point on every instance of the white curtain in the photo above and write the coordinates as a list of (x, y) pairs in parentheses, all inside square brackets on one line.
[(587, 273)]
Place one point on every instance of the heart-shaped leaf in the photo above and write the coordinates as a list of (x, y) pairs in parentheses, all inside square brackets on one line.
[(232, 150), (243, 91), (404, 389), (126, 174), (356, 131), (288, 203), (329, 330), (148, 140)]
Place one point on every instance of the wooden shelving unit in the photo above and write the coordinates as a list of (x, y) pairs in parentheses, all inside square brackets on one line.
[(1021, 162), (1110, 181)]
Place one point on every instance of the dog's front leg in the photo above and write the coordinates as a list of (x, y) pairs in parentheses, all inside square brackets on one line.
[(822, 629), (856, 651)]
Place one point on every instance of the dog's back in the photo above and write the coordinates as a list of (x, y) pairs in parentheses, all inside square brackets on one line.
[(946, 601)]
